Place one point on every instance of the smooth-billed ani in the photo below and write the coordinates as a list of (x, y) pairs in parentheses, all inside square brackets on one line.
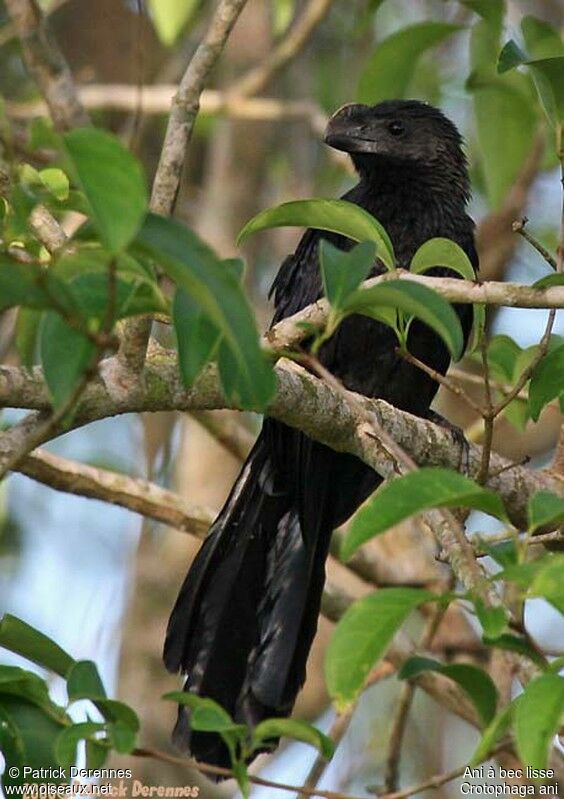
[(246, 615)]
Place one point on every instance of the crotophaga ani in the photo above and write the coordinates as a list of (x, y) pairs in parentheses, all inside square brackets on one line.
[(246, 615)]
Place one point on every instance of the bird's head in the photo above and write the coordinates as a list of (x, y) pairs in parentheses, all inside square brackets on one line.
[(406, 132)]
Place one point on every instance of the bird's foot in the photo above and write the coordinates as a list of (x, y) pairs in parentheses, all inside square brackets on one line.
[(458, 438)]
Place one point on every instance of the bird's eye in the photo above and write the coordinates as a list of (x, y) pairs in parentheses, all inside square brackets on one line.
[(396, 128)]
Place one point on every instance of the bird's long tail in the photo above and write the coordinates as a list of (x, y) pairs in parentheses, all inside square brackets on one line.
[(247, 612)]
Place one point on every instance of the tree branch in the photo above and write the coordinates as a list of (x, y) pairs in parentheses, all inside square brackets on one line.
[(47, 64), (301, 401), (133, 493), (287, 49)]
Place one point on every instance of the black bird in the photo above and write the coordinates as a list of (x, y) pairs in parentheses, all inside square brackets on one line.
[(246, 615)]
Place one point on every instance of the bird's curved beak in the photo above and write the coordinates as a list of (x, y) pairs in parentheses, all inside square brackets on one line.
[(346, 130)]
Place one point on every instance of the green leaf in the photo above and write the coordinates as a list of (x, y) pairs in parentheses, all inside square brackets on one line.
[(292, 728), (215, 287), (514, 643), (56, 182), (113, 182), (197, 337), (68, 739), (547, 381), (442, 252), (65, 356), (492, 619), (83, 681), (207, 715), (337, 216), (343, 272), (506, 123), (544, 510), (538, 715), (388, 72), (415, 300), (542, 40), (114, 712), (170, 17), (549, 582), (27, 332), (31, 286), (475, 682), (34, 741), (362, 637), (491, 10), (122, 737), (415, 492), (505, 553), (25, 640), (492, 734), (29, 686), (553, 279), (503, 354), (547, 73)]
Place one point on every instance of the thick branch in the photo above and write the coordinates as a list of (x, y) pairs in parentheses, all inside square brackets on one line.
[(47, 64), (157, 99), (301, 401)]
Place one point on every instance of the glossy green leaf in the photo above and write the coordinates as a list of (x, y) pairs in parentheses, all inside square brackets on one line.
[(415, 300), (170, 17), (416, 492), (297, 730), (545, 510), (214, 286), (492, 734), (337, 216), (83, 681), (342, 272), (362, 637), (197, 337), (113, 182), (68, 739), (475, 682), (25, 640), (538, 714), (442, 252), (15, 681), (547, 381), (388, 72), (65, 356)]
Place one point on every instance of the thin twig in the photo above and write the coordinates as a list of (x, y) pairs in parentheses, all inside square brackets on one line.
[(443, 380), (519, 227), (285, 51), (488, 416), (47, 64)]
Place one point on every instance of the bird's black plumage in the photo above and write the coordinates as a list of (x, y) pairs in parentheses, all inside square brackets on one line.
[(246, 615)]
